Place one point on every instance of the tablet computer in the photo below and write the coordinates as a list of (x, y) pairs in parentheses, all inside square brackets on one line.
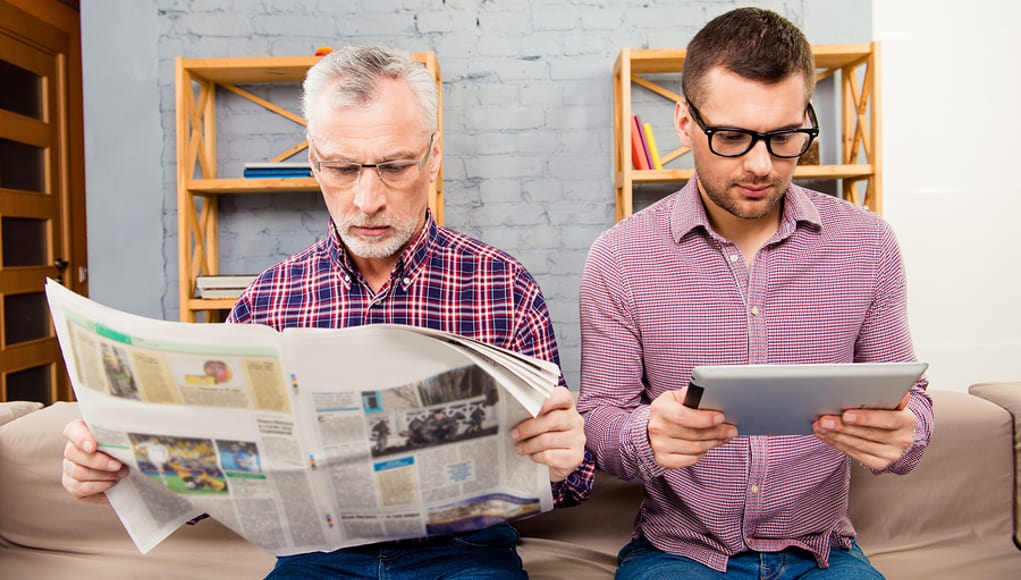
[(786, 399)]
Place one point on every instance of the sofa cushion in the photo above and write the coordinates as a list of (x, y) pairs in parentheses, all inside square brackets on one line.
[(43, 528), (10, 411), (953, 513), (1008, 396)]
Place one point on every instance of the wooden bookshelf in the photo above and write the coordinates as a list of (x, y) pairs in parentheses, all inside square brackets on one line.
[(856, 65), (198, 183)]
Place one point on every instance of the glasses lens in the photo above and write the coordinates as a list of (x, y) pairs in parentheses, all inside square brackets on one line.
[(340, 174), (730, 143), (789, 144), (399, 172)]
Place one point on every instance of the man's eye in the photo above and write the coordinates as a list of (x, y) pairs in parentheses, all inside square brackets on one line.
[(396, 169), (344, 170), (732, 137), (782, 138)]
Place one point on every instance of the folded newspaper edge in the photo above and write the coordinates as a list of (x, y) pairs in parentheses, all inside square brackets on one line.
[(307, 439)]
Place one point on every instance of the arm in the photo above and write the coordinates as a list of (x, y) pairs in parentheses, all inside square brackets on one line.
[(630, 437), (556, 436), (88, 473), (885, 440)]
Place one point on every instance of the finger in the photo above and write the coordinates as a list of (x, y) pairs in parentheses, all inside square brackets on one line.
[(89, 485), (78, 433), (560, 398), (872, 454), (561, 462), (670, 407), (572, 440), (98, 461), (879, 418), (904, 402), (555, 415)]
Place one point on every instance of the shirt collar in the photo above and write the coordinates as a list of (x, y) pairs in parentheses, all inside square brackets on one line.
[(689, 212), (409, 264)]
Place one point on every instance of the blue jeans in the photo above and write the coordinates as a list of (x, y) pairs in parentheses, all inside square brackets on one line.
[(487, 554), (640, 560)]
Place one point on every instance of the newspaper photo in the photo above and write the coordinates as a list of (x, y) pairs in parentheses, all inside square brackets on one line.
[(307, 439)]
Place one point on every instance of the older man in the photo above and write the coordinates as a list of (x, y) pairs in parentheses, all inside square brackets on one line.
[(374, 149)]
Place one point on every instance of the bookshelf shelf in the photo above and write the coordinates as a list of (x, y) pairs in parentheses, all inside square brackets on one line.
[(198, 83), (855, 66)]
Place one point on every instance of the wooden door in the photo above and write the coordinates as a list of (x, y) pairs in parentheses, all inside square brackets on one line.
[(35, 202)]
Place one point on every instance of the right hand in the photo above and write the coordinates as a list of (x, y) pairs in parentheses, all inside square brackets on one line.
[(680, 436), (88, 473)]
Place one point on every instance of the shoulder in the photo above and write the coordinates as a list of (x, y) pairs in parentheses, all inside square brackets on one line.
[(471, 254), (643, 233), (841, 216)]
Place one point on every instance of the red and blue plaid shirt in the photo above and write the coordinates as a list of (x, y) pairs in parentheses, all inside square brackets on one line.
[(663, 293), (443, 280)]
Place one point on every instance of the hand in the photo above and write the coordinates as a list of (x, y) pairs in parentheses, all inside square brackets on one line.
[(88, 473), (874, 437), (555, 437), (680, 436)]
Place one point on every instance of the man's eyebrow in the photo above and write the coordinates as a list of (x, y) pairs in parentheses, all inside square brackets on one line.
[(399, 155)]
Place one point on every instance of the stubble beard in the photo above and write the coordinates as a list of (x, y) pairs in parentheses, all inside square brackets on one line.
[(402, 228), (737, 207)]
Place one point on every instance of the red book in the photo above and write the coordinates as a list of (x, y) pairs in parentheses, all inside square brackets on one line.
[(645, 143), (638, 157)]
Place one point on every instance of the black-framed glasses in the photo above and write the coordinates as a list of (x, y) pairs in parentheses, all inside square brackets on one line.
[(393, 173), (734, 142)]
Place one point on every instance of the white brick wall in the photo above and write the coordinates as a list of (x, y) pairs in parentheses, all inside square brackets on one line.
[(527, 117)]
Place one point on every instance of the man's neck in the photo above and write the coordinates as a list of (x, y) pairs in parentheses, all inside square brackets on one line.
[(749, 235), (375, 271)]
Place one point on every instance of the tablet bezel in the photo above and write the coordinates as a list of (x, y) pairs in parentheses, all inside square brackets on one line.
[(786, 399)]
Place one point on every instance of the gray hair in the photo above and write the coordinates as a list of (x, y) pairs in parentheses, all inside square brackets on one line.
[(358, 69)]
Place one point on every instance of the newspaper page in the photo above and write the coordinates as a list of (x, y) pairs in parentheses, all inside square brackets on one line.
[(307, 439)]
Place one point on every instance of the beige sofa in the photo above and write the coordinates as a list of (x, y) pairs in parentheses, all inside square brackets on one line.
[(953, 517)]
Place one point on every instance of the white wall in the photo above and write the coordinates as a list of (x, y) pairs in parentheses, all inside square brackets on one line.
[(951, 122)]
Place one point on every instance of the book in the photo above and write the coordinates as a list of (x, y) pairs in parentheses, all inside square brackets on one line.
[(638, 158), (351, 436), (222, 286), (645, 145), (653, 150), (277, 169)]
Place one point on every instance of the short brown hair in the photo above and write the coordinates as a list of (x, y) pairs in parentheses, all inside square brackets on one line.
[(754, 43)]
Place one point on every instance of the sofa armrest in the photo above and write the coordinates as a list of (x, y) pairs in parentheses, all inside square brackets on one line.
[(1008, 396)]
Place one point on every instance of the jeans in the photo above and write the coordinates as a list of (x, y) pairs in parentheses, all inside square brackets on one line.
[(487, 554), (640, 560)]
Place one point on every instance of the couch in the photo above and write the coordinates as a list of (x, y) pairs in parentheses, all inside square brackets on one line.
[(955, 516)]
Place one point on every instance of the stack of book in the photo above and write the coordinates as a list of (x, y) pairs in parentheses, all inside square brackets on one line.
[(279, 169), (644, 153), (222, 286)]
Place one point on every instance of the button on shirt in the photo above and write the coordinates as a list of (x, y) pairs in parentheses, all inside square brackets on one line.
[(663, 293), (443, 280)]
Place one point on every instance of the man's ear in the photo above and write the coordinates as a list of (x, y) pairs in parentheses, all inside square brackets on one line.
[(683, 123), (435, 158)]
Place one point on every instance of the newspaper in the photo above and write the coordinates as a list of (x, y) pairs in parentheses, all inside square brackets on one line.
[(307, 439)]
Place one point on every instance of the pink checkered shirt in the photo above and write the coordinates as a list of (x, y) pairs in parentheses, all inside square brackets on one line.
[(663, 293), (443, 280)]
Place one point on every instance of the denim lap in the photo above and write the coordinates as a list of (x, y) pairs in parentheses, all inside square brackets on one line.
[(487, 554), (640, 560)]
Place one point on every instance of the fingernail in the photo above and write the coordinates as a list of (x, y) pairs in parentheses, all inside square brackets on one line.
[(717, 419), (828, 423), (851, 417), (514, 434), (113, 465), (87, 446)]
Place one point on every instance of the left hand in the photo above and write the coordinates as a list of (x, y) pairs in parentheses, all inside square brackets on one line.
[(874, 437), (555, 437)]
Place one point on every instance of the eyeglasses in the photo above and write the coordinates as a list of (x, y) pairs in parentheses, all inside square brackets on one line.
[(732, 142), (392, 173)]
